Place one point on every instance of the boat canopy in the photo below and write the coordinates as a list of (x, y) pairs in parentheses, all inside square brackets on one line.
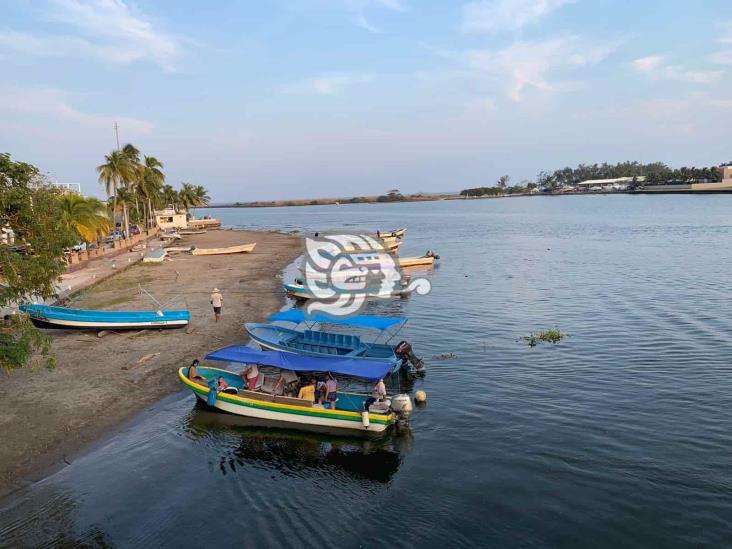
[(362, 321), (366, 369)]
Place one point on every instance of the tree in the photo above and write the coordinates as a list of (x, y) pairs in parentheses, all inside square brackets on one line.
[(85, 216), (30, 207), (112, 174), (150, 187), (503, 181)]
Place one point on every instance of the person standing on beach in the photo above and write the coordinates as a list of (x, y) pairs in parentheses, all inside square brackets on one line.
[(217, 300)]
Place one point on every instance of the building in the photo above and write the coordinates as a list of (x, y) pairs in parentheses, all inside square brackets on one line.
[(170, 219), (716, 186), (615, 183)]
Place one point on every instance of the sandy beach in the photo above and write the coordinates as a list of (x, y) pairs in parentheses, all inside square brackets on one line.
[(99, 382)]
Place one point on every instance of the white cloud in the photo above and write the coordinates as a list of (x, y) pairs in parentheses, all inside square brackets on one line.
[(656, 66), (362, 22), (54, 105), (107, 29), (329, 84), (498, 15), (724, 57), (530, 64), (395, 5)]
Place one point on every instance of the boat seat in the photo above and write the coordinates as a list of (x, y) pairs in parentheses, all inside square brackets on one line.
[(357, 351), (255, 395), (293, 401)]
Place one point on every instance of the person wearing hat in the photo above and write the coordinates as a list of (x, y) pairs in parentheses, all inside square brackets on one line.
[(217, 300)]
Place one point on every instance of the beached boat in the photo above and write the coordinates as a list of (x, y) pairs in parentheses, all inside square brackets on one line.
[(155, 256), (243, 249), (321, 343), (350, 415), (47, 316), (188, 233), (170, 236)]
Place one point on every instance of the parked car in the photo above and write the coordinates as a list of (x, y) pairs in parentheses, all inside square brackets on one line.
[(116, 235), (135, 230), (79, 247)]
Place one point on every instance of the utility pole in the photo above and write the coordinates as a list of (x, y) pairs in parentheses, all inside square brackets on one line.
[(116, 133)]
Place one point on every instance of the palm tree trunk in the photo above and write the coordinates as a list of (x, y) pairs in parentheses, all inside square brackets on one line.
[(126, 220)]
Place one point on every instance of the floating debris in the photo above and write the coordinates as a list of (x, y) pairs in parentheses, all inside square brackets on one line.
[(444, 356), (547, 336)]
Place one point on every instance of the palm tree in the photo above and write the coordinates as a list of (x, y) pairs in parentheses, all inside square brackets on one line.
[(170, 196), (113, 173), (134, 173), (86, 216), (151, 185)]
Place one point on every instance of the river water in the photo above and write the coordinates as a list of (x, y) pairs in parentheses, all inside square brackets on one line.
[(618, 436)]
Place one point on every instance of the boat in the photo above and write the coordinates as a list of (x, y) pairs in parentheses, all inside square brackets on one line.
[(170, 236), (427, 260), (242, 249), (155, 256), (298, 290), (47, 316), (396, 233), (321, 343), (205, 223), (350, 415), (187, 233)]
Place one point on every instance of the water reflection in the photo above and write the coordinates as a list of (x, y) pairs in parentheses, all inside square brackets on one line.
[(255, 443)]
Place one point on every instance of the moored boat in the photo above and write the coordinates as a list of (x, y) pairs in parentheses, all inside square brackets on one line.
[(242, 249), (353, 411), (427, 260), (47, 316), (396, 233), (320, 343), (298, 290)]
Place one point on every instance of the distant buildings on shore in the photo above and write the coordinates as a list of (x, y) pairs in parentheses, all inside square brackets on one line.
[(620, 184)]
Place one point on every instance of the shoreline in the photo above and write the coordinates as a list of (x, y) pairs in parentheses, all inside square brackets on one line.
[(50, 415)]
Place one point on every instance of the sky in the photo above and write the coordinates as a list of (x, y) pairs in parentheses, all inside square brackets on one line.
[(268, 99)]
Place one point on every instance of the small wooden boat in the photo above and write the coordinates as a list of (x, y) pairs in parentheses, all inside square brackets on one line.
[(187, 233), (427, 260), (396, 233), (155, 256), (243, 249), (350, 414), (47, 316), (172, 249), (170, 236)]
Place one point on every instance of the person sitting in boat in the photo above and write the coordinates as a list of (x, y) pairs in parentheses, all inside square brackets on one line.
[(320, 391), (222, 383), (331, 386), (250, 376), (193, 374), (377, 395), (307, 391), (285, 383)]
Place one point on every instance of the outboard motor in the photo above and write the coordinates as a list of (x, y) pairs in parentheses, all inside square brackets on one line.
[(404, 352), (401, 405), (430, 253)]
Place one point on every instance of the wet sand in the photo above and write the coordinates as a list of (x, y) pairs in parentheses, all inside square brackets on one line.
[(49, 415)]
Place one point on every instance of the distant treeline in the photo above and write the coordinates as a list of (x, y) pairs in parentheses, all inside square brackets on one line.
[(654, 173)]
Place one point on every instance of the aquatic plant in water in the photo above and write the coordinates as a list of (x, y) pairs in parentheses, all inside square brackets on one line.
[(546, 336)]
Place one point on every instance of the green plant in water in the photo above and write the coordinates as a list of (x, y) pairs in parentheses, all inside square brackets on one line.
[(22, 343), (546, 336)]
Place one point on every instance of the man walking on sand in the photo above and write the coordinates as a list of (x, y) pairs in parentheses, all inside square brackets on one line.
[(217, 300)]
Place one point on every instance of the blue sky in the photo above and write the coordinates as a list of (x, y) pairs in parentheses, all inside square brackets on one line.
[(317, 98)]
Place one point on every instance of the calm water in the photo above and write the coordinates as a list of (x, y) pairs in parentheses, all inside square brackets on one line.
[(620, 436)]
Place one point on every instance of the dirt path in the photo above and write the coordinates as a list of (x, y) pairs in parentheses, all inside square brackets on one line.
[(46, 415)]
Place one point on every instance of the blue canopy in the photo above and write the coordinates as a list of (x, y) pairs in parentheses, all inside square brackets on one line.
[(367, 369), (363, 321)]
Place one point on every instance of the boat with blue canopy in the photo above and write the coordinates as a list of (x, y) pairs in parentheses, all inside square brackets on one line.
[(271, 401), (47, 316), (321, 343)]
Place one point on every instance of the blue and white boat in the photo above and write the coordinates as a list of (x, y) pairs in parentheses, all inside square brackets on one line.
[(317, 342), (47, 316)]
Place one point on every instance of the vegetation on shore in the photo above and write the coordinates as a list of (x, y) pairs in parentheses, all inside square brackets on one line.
[(47, 221), (654, 173)]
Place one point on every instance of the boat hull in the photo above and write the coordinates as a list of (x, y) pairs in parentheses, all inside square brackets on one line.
[(278, 338), (243, 249), (300, 292), (45, 316), (288, 415)]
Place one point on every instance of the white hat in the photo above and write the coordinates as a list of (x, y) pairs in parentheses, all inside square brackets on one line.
[(215, 289)]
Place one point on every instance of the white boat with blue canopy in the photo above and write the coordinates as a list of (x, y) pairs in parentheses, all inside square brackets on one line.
[(321, 343), (351, 411), (47, 316)]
